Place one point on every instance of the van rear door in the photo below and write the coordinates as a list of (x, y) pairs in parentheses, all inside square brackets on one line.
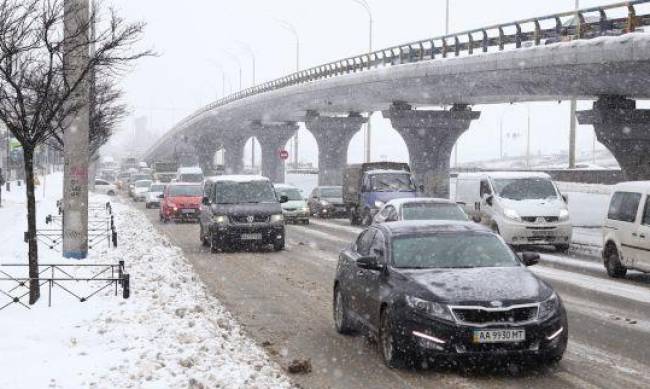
[(621, 217), (642, 238)]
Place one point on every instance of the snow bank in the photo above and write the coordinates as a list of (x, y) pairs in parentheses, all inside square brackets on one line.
[(170, 334)]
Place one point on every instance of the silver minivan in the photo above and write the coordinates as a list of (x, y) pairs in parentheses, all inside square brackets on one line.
[(626, 230)]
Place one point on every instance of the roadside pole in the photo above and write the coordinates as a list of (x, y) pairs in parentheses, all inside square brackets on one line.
[(75, 172)]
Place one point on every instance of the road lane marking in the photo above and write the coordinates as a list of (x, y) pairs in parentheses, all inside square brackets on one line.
[(354, 230)]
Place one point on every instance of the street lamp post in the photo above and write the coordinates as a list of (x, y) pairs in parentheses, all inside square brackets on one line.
[(251, 52), (574, 106), (368, 137), (292, 29), (238, 62), (217, 65)]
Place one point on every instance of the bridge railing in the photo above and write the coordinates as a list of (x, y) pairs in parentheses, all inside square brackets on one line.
[(585, 23)]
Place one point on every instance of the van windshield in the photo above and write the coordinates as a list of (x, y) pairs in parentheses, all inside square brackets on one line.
[(525, 188), (191, 177), (392, 183), (292, 194), (231, 192)]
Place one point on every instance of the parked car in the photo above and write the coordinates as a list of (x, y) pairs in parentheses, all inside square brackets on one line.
[(327, 201), (241, 210), (189, 174), (422, 208), (368, 186), (626, 230), (446, 289), (525, 208), (295, 210), (105, 187), (152, 199), (140, 189), (180, 202)]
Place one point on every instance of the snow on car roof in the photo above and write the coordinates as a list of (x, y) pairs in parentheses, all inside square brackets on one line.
[(431, 226), (387, 171), (190, 170), (285, 186), (241, 178), (505, 174), (417, 200), (639, 186)]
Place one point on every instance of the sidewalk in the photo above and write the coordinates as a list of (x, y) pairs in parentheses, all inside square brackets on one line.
[(171, 333)]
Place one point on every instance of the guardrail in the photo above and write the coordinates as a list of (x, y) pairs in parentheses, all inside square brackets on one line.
[(56, 275), (536, 31)]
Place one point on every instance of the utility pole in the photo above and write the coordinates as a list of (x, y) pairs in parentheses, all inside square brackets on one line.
[(528, 138), (75, 173), (368, 137), (251, 52), (574, 106), (290, 27)]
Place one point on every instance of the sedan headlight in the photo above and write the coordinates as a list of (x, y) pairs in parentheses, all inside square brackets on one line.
[(430, 308), (324, 203), (277, 218), (221, 219), (379, 204), (511, 214), (305, 209), (548, 307), (564, 215)]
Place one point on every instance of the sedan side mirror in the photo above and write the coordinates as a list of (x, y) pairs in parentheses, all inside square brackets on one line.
[(369, 262), (476, 219), (162, 196), (565, 198), (530, 259), (283, 199), (489, 200), (205, 201)]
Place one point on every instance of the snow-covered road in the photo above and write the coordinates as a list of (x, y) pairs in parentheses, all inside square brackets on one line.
[(171, 333)]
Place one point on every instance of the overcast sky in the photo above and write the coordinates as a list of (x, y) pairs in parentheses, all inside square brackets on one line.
[(192, 35)]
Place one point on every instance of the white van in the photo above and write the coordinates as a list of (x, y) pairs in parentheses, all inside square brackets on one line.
[(189, 174), (525, 208), (626, 231)]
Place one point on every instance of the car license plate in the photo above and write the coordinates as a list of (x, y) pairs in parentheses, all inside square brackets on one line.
[(187, 211), (251, 236), (542, 234), (499, 336)]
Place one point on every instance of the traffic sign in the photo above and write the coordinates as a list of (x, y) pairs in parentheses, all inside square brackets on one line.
[(284, 155)]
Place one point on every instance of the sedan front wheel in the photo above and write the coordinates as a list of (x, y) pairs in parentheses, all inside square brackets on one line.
[(342, 321)]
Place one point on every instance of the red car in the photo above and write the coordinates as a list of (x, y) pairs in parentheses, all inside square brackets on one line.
[(181, 202)]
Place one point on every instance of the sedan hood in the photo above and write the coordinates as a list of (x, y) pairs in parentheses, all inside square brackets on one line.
[(480, 286), (294, 204), (333, 200), (194, 201)]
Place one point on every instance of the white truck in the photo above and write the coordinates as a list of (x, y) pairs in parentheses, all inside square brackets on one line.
[(525, 208)]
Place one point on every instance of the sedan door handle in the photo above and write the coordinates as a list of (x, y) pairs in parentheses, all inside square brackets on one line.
[(642, 236), (634, 234)]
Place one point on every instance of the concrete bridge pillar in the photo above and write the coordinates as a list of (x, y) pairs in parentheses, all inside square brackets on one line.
[(206, 146), (273, 138), (625, 131), (234, 155), (430, 137), (333, 135)]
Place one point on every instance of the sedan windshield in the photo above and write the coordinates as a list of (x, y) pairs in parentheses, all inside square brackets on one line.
[(392, 183), (157, 188), (432, 211), (230, 192), (451, 250), (292, 194), (185, 191), (336, 192), (142, 184), (525, 188)]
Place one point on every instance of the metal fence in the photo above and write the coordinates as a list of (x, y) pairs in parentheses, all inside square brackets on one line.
[(528, 32), (95, 278)]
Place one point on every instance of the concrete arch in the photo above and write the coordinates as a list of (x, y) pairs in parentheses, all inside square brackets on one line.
[(386, 143)]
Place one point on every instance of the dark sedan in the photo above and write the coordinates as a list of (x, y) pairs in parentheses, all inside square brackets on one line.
[(452, 289)]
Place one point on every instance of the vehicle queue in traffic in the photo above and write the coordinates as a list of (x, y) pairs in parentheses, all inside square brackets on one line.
[(427, 277)]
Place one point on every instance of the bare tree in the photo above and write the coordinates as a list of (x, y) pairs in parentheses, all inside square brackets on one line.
[(36, 91)]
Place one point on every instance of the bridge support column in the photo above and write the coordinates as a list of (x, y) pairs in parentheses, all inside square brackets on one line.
[(333, 135), (206, 147), (625, 131), (430, 137), (273, 138), (234, 155)]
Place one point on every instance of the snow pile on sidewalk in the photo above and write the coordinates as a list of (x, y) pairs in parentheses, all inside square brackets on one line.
[(170, 334)]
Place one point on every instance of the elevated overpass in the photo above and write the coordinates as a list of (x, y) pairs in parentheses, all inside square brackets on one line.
[(539, 59)]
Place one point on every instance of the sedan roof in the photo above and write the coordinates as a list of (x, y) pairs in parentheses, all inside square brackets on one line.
[(430, 226), (418, 200)]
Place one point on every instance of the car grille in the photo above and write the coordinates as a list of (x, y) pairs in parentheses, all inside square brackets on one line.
[(481, 316), (290, 209), (244, 219), (547, 219)]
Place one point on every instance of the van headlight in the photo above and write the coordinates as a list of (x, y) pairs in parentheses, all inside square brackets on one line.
[(548, 307), (430, 308), (564, 215), (324, 203), (379, 204), (221, 219), (511, 214), (277, 218)]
